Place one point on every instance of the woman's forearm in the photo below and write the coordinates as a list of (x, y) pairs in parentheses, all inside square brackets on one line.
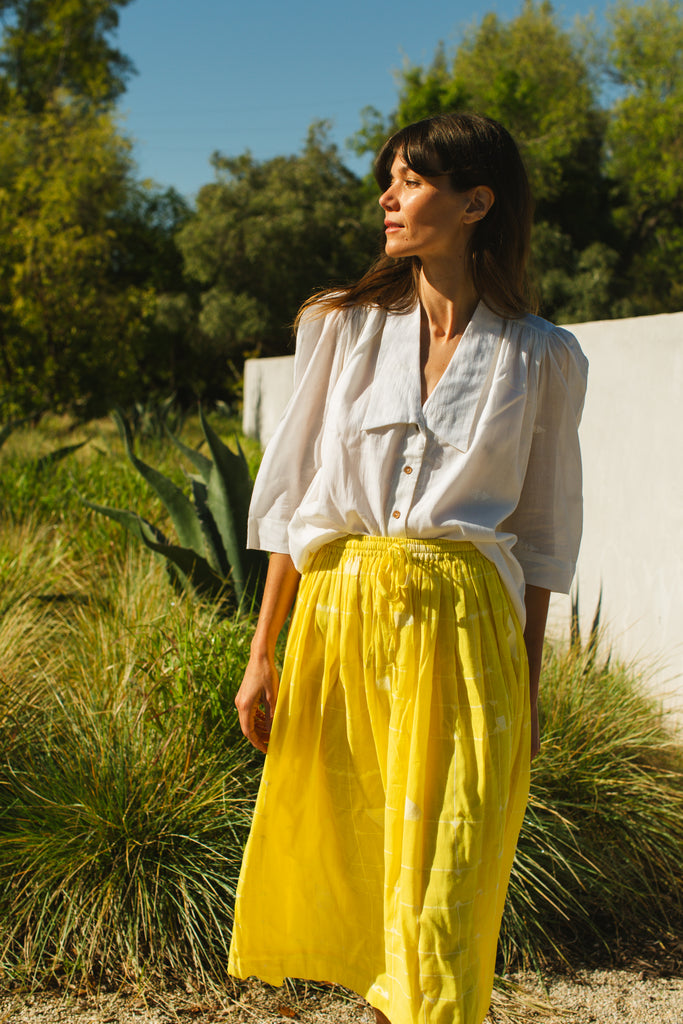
[(280, 589), (257, 696), (536, 600)]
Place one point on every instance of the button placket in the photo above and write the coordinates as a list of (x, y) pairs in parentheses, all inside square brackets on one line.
[(406, 481)]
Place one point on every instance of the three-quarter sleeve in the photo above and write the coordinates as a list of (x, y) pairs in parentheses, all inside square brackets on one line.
[(549, 516), (292, 456)]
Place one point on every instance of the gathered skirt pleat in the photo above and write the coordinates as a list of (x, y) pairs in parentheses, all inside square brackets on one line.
[(395, 782)]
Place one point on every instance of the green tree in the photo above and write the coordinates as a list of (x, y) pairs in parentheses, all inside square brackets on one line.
[(531, 74), (527, 73), (145, 255), (265, 235), (86, 253), (69, 332), (51, 45), (644, 152)]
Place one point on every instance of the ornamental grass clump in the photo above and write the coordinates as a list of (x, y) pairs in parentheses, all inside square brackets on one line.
[(599, 863), (125, 791), (122, 844)]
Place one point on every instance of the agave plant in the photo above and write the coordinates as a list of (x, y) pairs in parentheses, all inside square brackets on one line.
[(42, 461), (211, 555), (156, 417)]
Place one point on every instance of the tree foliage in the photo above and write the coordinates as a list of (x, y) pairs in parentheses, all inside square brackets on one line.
[(67, 332), (86, 252), (605, 174), (527, 73), (51, 45), (644, 148), (265, 235), (145, 255), (111, 288)]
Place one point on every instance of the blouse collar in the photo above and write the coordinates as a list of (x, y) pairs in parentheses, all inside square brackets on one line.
[(450, 410)]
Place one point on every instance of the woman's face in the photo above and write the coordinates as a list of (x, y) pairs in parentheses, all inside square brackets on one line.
[(426, 217)]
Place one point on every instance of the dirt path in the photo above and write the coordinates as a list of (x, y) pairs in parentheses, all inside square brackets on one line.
[(587, 997)]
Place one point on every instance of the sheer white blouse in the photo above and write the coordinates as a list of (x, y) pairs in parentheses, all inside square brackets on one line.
[(492, 456)]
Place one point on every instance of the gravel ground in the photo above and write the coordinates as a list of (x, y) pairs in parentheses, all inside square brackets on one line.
[(585, 997)]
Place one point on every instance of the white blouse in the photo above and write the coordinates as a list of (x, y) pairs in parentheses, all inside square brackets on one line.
[(492, 456)]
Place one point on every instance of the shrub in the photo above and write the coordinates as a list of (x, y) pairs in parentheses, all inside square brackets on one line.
[(125, 796), (599, 857)]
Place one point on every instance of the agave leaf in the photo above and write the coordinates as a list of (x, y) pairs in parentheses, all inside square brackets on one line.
[(189, 566), (200, 462), (229, 490), (59, 453), (143, 530), (166, 404), (214, 544), (134, 523), (181, 510), (195, 569)]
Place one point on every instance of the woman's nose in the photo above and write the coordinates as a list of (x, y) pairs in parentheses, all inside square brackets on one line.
[(387, 200)]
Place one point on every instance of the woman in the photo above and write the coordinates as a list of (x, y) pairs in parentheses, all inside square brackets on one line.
[(425, 480)]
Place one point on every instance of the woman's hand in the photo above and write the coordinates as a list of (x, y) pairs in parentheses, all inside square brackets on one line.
[(255, 700), (256, 697)]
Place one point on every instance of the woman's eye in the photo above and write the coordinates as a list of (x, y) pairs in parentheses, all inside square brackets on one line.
[(412, 183)]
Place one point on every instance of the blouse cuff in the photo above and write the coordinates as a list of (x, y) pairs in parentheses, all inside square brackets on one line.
[(268, 535), (549, 573)]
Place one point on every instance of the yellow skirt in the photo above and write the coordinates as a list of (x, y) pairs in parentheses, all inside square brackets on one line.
[(395, 782)]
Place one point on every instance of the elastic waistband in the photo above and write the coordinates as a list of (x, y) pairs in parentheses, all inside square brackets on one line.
[(456, 559), (410, 545)]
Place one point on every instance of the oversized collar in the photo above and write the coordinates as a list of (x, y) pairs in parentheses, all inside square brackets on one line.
[(450, 410)]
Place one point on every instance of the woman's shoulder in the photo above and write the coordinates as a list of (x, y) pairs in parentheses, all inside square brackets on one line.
[(327, 335), (554, 360), (546, 339), (341, 327), (323, 309), (538, 328)]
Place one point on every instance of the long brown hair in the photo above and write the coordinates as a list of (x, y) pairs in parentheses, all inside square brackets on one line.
[(473, 151)]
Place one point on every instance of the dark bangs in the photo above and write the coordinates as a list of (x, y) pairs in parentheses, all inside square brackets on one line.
[(427, 147)]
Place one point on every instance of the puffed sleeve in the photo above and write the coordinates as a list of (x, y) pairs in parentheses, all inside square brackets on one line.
[(549, 516), (292, 456)]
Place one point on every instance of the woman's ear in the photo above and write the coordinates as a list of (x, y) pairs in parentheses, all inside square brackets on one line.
[(481, 199)]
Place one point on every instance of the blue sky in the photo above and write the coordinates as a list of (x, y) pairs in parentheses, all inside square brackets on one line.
[(220, 75)]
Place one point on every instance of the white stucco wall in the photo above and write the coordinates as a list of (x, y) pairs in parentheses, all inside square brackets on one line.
[(632, 445), (632, 441), (268, 385)]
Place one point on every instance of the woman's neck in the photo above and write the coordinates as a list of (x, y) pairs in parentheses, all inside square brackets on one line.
[(448, 298)]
